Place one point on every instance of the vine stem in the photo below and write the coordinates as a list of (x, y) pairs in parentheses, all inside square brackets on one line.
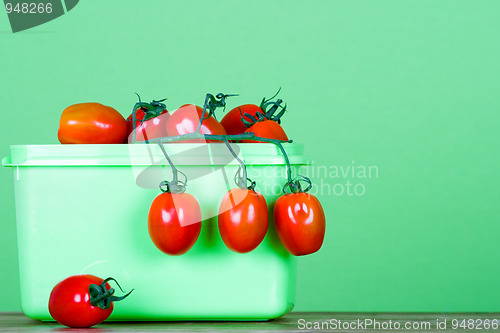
[(212, 102), (241, 182), (134, 119), (224, 138), (175, 172), (202, 118)]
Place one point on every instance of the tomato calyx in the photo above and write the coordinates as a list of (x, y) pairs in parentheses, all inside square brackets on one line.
[(151, 110), (102, 297), (241, 180), (251, 187), (240, 177), (295, 187), (175, 186), (269, 108), (213, 102)]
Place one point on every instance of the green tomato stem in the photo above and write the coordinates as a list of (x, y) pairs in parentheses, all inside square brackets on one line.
[(211, 104), (102, 297), (224, 138), (241, 182)]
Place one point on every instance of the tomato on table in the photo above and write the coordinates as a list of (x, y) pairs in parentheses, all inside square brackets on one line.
[(91, 123), (82, 301), (243, 219), (300, 223), (185, 120)]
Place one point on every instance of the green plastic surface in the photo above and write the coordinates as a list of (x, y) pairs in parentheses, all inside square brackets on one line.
[(83, 209)]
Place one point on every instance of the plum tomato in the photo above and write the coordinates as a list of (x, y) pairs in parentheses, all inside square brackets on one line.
[(267, 129), (185, 120), (243, 219), (300, 223), (150, 129), (174, 222), (91, 123), (150, 121), (82, 301), (232, 120)]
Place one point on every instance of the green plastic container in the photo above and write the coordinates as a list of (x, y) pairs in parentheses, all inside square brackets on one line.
[(82, 209)]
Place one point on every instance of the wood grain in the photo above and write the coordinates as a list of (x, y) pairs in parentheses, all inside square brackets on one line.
[(292, 322)]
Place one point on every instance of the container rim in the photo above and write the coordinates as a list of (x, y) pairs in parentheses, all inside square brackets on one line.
[(150, 154)]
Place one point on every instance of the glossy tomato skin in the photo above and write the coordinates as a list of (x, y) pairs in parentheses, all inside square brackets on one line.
[(139, 115), (174, 222), (232, 122), (300, 223), (243, 220), (91, 123), (267, 129), (150, 129), (69, 302), (185, 120)]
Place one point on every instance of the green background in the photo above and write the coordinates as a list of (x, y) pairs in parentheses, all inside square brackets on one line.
[(411, 87)]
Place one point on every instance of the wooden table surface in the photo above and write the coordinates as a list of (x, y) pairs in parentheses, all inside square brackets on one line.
[(292, 322)]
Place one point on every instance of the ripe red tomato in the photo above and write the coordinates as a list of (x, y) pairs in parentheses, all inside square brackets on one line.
[(69, 302), (267, 129), (243, 219), (90, 123), (185, 120), (174, 222), (300, 223), (232, 120), (150, 129)]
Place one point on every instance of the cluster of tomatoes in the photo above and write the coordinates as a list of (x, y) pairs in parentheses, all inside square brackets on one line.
[(175, 219), (94, 123)]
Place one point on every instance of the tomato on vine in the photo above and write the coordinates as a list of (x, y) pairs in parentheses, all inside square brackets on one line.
[(243, 219), (241, 117), (185, 120), (174, 221), (266, 123), (300, 221), (150, 121), (232, 121), (267, 129), (82, 301)]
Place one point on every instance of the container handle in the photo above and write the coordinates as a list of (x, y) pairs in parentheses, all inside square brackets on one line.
[(6, 162)]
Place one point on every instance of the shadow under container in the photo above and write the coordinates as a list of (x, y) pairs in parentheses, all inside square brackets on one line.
[(82, 209)]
